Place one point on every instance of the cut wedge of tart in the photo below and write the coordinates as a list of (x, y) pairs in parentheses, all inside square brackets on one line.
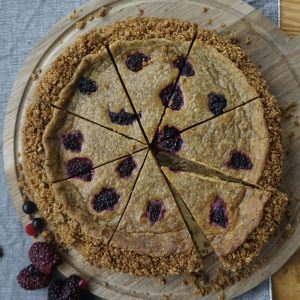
[(152, 234), (226, 212), (75, 146), (149, 70), (211, 84), (99, 203), (96, 93), (235, 143)]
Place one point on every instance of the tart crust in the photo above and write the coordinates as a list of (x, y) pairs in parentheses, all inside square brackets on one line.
[(66, 229)]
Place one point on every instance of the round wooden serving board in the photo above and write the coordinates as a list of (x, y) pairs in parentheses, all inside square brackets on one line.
[(279, 60)]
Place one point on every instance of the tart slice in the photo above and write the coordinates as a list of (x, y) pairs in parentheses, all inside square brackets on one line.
[(227, 213), (99, 203), (74, 146), (152, 237), (149, 69), (96, 93), (235, 143), (211, 85)]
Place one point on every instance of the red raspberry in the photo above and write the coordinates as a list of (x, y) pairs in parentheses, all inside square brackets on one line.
[(44, 257), (83, 284), (30, 230), (31, 279)]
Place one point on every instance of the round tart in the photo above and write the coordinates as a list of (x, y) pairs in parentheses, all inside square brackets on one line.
[(111, 104)]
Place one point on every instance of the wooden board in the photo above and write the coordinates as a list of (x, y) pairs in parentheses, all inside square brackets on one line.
[(290, 17), (279, 58)]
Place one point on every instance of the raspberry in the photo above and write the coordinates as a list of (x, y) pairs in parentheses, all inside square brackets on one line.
[(68, 289), (30, 230), (44, 257), (31, 279), (136, 61)]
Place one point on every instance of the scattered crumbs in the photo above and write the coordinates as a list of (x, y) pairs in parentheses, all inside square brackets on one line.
[(34, 75), (205, 9), (105, 284), (48, 236), (223, 25), (248, 40), (74, 15), (297, 123), (101, 12), (185, 282), (1, 252), (141, 11), (291, 106), (289, 230), (162, 280), (233, 39), (221, 295), (209, 21), (80, 24)]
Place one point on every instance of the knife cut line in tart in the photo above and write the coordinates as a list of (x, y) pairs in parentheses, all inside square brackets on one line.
[(74, 146), (98, 204), (148, 73), (152, 227), (96, 93)]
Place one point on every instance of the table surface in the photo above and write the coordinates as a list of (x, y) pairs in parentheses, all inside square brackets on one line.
[(286, 282)]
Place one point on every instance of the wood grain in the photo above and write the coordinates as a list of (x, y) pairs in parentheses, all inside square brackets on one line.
[(279, 58), (290, 17)]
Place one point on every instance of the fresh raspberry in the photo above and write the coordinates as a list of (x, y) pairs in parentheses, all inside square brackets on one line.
[(44, 257), (30, 230), (31, 279), (68, 289)]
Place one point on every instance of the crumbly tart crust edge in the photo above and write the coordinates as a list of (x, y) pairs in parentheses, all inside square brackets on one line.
[(48, 90)]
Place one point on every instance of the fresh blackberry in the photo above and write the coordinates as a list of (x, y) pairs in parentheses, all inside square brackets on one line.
[(87, 86), (44, 257), (136, 61), (31, 279)]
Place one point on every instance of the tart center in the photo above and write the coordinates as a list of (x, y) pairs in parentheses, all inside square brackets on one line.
[(169, 140)]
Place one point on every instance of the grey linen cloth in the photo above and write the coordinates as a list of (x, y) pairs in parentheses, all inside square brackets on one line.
[(22, 25)]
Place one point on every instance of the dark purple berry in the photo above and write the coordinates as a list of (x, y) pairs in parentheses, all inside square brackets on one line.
[(155, 211), (72, 140), (169, 139), (123, 117), (32, 270), (184, 66), (136, 61), (126, 167), (172, 97), (87, 86), (218, 213), (38, 224), (239, 161), (29, 279), (29, 207), (81, 168), (107, 199), (71, 289), (55, 290), (217, 103)]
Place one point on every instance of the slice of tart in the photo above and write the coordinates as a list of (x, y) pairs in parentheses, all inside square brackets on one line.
[(211, 85), (74, 146), (226, 212), (149, 70), (96, 93), (152, 237), (235, 143), (99, 203)]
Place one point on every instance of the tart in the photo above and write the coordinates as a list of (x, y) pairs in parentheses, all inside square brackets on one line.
[(98, 204), (105, 99), (75, 146), (235, 143), (211, 85)]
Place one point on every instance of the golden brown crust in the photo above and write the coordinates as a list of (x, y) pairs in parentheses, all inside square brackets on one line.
[(66, 229)]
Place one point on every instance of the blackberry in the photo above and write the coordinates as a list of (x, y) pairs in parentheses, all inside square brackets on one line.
[(169, 140), (217, 103), (172, 96), (123, 117), (72, 140), (31, 279), (44, 257), (239, 161), (184, 66), (136, 61), (105, 200), (87, 86), (155, 211), (126, 167), (80, 167), (29, 207), (218, 213)]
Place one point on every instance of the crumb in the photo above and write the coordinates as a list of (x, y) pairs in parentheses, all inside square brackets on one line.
[(105, 284), (141, 11), (80, 24), (185, 282), (74, 15), (291, 135), (209, 21), (289, 230), (297, 123), (101, 12), (291, 106), (223, 25), (248, 40), (221, 295), (34, 75), (162, 280), (205, 9)]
